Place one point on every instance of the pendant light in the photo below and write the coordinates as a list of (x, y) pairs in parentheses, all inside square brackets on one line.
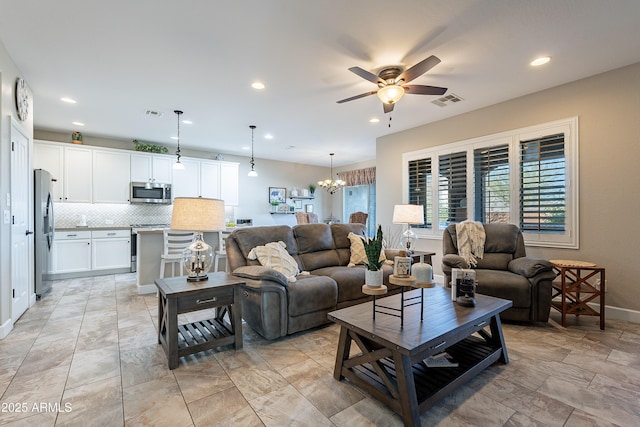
[(177, 165), (331, 185), (252, 172)]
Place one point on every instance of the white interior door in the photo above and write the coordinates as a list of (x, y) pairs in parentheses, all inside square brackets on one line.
[(21, 225)]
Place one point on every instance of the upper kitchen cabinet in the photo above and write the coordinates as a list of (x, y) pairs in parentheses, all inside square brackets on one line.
[(229, 191), (111, 176), (186, 182), (50, 158), (78, 174), (151, 167), (207, 178)]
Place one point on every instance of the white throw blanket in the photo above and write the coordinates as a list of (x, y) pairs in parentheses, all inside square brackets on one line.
[(471, 238)]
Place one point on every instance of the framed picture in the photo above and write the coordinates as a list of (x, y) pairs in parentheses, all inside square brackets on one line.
[(297, 204), (308, 208), (277, 194)]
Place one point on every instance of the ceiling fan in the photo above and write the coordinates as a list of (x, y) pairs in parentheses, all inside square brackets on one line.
[(392, 82)]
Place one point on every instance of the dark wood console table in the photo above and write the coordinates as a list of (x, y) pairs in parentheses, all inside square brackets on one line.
[(390, 366), (176, 296)]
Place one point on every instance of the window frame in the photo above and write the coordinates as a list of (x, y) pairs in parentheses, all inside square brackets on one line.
[(569, 127)]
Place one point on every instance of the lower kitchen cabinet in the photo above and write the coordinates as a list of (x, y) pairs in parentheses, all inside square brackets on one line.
[(71, 252), (86, 251), (110, 249)]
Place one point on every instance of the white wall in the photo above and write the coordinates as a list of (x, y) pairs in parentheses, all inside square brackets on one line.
[(8, 75), (608, 107)]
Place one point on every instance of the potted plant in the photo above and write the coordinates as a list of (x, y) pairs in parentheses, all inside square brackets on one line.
[(372, 247), (76, 137), (312, 189), (274, 205)]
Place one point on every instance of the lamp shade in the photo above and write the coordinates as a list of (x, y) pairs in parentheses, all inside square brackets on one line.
[(197, 214), (408, 214)]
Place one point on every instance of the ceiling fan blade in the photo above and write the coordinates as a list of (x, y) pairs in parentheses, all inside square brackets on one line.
[(366, 75), (419, 69), (424, 90), (388, 107), (362, 95)]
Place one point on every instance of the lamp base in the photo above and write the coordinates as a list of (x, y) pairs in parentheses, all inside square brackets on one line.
[(200, 278)]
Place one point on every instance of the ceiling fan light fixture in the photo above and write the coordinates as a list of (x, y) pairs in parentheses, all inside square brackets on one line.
[(390, 94)]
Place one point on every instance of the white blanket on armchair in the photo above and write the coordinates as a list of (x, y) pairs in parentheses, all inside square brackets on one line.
[(471, 238)]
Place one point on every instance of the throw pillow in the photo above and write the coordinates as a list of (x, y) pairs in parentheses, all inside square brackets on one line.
[(275, 255), (358, 254)]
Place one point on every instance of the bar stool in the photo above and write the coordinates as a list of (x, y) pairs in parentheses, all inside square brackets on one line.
[(174, 243), (221, 251)]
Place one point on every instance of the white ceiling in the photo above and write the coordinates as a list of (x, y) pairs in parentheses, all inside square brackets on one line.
[(120, 58)]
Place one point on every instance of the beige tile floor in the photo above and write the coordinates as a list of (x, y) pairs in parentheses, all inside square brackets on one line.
[(87, 354)]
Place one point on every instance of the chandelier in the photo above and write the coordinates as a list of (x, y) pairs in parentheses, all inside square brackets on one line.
[(329, 184)]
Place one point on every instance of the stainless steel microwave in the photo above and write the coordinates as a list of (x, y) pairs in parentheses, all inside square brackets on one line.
[(150, 192)]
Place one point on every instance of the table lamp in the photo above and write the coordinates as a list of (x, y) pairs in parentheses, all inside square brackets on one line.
[(408, 214), (197, 214)]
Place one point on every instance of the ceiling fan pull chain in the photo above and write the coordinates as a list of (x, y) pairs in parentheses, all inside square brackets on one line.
[(389, 121)]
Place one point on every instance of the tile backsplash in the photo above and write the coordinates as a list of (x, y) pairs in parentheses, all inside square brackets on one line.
[(105, 215)]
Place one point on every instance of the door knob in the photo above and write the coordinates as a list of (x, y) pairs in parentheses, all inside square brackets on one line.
[(28, 232)]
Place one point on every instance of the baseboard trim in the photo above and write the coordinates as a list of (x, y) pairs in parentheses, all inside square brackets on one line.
[(5, 328), (146, 289)]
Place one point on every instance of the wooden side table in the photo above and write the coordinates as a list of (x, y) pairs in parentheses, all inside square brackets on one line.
[(577, 288), (176, 296)]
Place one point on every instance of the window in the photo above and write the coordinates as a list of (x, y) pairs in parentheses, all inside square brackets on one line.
[(543, 185), (452, 188), (420, 188), (492, 186), (526, 177)]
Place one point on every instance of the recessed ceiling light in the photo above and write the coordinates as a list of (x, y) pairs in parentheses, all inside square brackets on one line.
[(540, 61), (187, 122), (374, 120), (68, 100), (77, 123), (246, 147), (174, 137), (258, 85), (268, 136)]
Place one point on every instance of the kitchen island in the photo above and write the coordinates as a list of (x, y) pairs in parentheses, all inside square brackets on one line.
[(149, 249)]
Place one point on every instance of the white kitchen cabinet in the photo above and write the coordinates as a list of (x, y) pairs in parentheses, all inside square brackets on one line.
[(71, 252), (154, 167), (50, 157), (110, 249), (186, 182), (229, 188), (78, 174), (111, 180), (210, 179)]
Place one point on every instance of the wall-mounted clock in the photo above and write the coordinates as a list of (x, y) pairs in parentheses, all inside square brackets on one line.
[(22, 99)]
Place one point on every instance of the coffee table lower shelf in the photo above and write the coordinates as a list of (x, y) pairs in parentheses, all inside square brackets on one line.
[(473, 354)]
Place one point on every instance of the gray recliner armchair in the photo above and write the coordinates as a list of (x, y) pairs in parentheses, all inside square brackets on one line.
[(505, 271)]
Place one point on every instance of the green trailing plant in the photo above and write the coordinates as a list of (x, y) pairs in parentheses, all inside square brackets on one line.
[(312, 189), (150, 148), (373, 247)]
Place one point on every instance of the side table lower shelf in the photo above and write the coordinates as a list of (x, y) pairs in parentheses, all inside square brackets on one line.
[(199, 336)]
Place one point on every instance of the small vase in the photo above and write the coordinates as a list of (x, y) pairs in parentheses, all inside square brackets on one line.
[(373, 279)]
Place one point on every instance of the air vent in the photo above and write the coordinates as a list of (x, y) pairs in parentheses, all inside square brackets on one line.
[(152, 113), (446, 100)]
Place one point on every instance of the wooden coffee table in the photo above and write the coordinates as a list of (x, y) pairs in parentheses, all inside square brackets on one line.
[(221, 292), (390, 366)]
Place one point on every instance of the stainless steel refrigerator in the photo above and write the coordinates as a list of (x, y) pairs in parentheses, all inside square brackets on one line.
[(44, 230)]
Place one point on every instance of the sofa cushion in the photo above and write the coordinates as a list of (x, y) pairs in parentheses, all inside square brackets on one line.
[(315, 246), (358, 254), (274, 255), (311, 293), (341, 241), (506, 285)]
